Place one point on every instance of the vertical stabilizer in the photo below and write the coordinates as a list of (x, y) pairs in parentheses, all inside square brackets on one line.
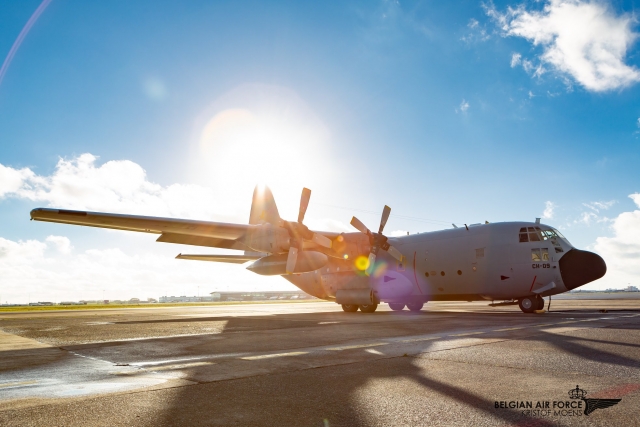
[(263, 207)]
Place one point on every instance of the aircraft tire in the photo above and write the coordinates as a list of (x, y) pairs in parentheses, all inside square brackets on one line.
[(415, 306), (528, 304), (350, 308), (396, 306), (540, 302), (369, 308)]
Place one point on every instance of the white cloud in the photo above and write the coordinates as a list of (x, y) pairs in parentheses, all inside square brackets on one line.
[(548, 210), (582, 39), (51, 269), (116, 186), (464, 106), (34, 272), (397, 233), (638, 122), (516, 59), (622, 251), (62, 244), (600, 206), (587, 218), (477, 32)]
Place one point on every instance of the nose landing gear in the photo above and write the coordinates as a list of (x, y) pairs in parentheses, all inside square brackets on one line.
[(531, 304)]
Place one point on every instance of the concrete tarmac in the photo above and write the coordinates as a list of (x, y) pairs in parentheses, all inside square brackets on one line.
[(310, 364)]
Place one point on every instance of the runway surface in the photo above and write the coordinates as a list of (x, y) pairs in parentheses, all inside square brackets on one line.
[(310, 364)]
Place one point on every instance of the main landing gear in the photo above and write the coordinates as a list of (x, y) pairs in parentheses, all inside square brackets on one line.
[(531, 304), (399, 306), (352, 308), (415, 306)]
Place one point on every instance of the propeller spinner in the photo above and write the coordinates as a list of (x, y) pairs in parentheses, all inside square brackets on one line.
[(298, 232), (378, 240)]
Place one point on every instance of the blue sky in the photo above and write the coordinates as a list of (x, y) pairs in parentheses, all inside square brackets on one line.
[(449, 112)]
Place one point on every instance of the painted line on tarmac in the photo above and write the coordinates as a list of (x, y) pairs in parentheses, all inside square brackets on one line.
[(271, 356), (177, 367), (349, 347), (18, 384), (420, 339), (508, 329), (466, 334)]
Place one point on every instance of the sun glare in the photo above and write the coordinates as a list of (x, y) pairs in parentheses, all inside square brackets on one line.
[(272, 138)]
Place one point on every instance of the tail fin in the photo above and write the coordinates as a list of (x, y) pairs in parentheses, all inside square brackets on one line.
[(263, 207)]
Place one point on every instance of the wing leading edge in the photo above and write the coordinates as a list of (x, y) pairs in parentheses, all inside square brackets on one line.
[(143, 224)]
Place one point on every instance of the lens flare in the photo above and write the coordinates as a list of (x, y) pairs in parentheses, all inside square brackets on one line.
[(379, 269), (362, 263)]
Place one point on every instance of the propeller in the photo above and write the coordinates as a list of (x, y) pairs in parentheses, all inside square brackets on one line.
[(378, 240), (298, 232)]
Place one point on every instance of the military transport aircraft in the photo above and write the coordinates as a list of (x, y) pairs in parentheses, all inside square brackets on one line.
[(514, 262)]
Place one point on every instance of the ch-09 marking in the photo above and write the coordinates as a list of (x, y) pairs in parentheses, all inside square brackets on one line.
[(540, 265)]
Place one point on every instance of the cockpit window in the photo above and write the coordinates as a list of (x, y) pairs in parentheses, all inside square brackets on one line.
[(524, 237), (533, 235)]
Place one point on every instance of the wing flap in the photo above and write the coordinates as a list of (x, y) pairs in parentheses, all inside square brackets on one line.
[(235, 259), (144, 224), (187, 239)]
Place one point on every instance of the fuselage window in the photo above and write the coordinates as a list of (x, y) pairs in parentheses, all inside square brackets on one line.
[(535, 255), (545, 254)]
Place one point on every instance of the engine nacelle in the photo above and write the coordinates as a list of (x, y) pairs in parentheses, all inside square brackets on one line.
[(267, 238), (275, 265)]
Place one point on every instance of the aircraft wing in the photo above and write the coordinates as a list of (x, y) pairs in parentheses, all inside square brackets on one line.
[(172, 230)]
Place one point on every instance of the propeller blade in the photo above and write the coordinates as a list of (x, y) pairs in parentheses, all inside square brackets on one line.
[(385, 217), (359, 225), (291, 259), (321, 240), (304, 203), (372, 263), (395, 253)]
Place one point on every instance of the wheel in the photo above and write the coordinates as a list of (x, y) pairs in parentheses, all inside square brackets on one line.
[(415, 306), (528, 304), (369, 308), (350, 308), (396, 306), (540, 302)]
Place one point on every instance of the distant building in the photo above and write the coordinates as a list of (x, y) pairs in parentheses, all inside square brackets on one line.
[(260, 296), (632, 289), (240, 296), (183, 298)]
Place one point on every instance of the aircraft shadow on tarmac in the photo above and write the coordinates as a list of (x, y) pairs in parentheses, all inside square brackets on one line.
[(328, 394), (325, 396)]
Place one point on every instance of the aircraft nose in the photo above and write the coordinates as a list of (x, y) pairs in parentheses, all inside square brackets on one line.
[(581, 267)]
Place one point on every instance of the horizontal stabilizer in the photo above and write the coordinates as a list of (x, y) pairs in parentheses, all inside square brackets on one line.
[(234, 259)]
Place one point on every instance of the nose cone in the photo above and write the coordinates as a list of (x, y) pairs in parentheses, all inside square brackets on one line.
[(578, 268)]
